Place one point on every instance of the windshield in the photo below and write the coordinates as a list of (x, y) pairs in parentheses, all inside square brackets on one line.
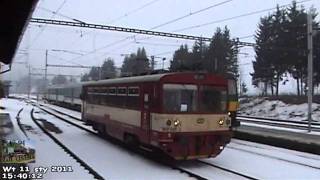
[(185, 98), (180, 98), (213, 99)]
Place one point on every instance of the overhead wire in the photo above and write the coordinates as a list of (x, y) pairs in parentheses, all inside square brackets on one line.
[(247, 14), (236, 17), (60, 14), (133, 11), (163, 24), (191, 14), (185, 16), (43, 27), (126, 14)]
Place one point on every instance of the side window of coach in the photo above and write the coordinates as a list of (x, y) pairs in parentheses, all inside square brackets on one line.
[(133, 97)]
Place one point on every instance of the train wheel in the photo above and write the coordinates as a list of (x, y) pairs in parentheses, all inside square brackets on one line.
[(131, 140), (101, 129)]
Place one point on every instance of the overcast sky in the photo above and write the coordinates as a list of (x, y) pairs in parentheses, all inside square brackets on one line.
[(92, 47)]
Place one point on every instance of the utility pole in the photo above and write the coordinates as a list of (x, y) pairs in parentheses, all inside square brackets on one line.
[(201, 47), (29, 82), (152, 63), (45, 74), (310, 69), (163, 59)]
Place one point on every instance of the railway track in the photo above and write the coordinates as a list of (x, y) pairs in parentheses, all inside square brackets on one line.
[(60, 112), (162, 161), (279, 123), (198, 169), (257, 147), (274, 157), (66, 149), (228, 170), (209, 164), (280, 120)]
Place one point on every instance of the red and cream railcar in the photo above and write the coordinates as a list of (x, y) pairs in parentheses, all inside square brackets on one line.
[(183, 114)]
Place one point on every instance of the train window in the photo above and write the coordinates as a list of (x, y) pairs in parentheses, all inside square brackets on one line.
[(90, 89), (213, 99), (133, 91), (112, 91), (105, 91), (76, 92), (180, 98), (99, 90), (68, 92), (121, 91)]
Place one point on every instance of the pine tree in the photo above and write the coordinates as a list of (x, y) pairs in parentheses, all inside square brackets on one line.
[(278, 41), (95, 73), (181, 59), (262, 65), (197, 56), (59, 79), (135, 64), (108, 69), (297, 41), (85, 77), (222, 54)]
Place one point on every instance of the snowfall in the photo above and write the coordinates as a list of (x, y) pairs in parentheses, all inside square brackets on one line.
[(114, 162)]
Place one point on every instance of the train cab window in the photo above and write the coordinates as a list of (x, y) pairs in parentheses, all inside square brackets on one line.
[(213, 99), (179, 98)]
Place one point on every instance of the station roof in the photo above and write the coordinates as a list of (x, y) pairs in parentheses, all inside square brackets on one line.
[(14, 18)]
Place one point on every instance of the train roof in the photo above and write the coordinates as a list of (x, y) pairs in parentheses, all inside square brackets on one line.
[(60, 86), (145, 78), (124, 80)]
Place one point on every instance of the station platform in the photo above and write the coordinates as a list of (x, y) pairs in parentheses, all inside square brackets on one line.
[(300, 141)]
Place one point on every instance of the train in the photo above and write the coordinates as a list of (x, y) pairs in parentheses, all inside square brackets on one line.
[(65, 95), (184, 115)]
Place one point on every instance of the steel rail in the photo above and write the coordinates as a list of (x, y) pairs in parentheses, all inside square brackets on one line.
[(67, 150), (191, 174)]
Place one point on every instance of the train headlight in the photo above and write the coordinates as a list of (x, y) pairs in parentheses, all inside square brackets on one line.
[(229, 114), (168, 122), (221, 121), (176, 122)]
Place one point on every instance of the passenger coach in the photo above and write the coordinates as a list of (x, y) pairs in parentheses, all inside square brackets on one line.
[(183, 114)]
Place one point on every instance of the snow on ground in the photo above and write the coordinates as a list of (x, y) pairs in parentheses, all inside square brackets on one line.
[(261, 107), (279, 153), (113, 162), (80, 123), (65, 110), (245, 161), (248, 158), (48, 154), (109, 160)]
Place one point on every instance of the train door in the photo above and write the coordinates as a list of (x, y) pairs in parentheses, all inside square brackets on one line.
[(145, 112)]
